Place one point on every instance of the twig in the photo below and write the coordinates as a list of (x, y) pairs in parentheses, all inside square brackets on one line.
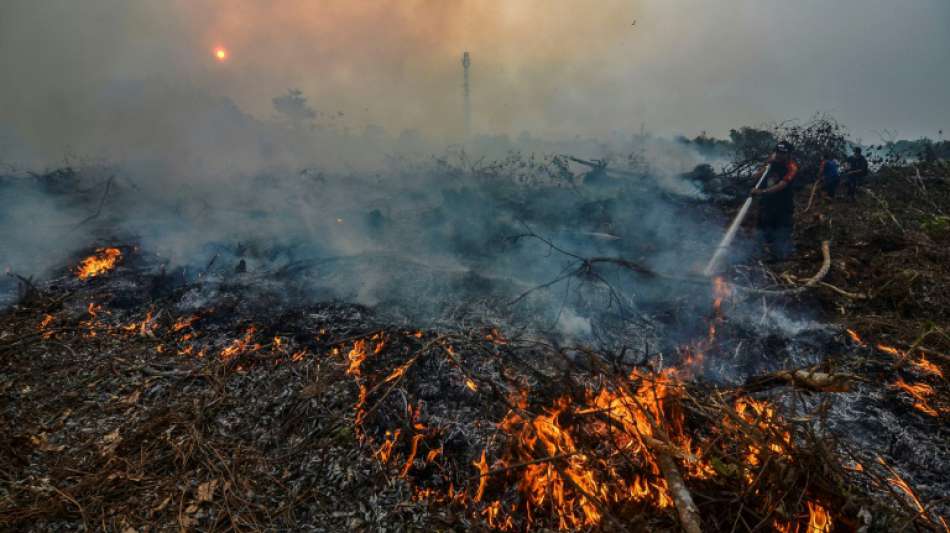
[(102, 202)]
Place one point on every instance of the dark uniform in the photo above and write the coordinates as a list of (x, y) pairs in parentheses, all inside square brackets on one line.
[(857, 171), (777, 210)]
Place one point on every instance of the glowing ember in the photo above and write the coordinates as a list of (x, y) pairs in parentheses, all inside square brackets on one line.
[(890, 350), (183, 323), (44, 324), (385, 451), (855, 337), (99, 263)]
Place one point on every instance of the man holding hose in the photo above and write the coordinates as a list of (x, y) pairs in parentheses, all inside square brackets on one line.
[(777, 202)]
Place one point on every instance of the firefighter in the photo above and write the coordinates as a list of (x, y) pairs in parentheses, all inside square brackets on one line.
[(828, 174), (857, 171), (777, 202)]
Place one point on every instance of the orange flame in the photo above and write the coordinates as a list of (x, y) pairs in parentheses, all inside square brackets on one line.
[(927, 367), (183, 323), (356, 357), (855, 337), (47, 320), (385, 451), (414, 449), (899, 482), (102, 261), (239, 346), (482, 466), (920, 392), (819, 521)]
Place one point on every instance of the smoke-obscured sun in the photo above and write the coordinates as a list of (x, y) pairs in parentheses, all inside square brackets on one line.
[(220, 53)]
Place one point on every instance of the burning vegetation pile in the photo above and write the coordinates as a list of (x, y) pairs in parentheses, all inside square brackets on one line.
[(136, 397), (122, 412)]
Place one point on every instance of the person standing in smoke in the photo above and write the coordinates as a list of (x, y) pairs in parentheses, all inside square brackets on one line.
[(777, 202), (857, 171), (828, 174)]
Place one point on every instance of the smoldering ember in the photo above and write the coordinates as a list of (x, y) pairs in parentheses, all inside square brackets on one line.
[(221, 317)]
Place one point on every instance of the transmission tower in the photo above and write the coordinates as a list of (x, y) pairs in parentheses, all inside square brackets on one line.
[(467, 62)]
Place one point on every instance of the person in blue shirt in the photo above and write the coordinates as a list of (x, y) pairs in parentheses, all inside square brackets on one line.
[(829, 174)]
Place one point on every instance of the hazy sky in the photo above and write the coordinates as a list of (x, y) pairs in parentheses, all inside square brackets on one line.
[(554, 67)]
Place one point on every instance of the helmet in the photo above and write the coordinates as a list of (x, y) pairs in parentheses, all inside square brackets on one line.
[(784, 148)]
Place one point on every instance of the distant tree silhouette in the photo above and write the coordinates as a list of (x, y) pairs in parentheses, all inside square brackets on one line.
[(293, 106)]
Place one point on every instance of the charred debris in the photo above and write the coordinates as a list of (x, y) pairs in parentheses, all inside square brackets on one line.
[(141, 397)]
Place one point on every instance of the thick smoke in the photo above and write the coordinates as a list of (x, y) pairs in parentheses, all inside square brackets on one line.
[(410, 225), (205, 172)]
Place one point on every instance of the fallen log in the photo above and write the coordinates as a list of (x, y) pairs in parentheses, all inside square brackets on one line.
[(803, 378), (682, 499)]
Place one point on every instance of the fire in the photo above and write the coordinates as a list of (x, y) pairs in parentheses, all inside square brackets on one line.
[(385, 451), (183, 323), (899, 482), (560, 478), (482, 466), (93, 310), (762, 415), (890, 350), (495, 337), (855, 337), (471, 384), (492, 515), (923, 365), (102, 261), (414, 449), (143, 328), (356, 357), (819, 521), (694, 354), (44, 324), (239, 346), (920, 392), (221, 53), (927, 367)]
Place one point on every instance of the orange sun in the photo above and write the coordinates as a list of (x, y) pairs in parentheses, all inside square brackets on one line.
[(220, 53)]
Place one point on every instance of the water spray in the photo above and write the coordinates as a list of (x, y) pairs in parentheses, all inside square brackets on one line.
[(733, 229)]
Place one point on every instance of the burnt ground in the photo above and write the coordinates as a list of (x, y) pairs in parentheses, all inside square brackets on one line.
[(147, 401)]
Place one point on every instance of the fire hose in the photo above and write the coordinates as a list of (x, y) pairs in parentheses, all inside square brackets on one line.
[(730, 235)]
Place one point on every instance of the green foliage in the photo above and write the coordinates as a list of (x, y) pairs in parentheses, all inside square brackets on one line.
[(937, 225)]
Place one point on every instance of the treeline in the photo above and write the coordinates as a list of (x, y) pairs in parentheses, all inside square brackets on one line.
[(746, 147)]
